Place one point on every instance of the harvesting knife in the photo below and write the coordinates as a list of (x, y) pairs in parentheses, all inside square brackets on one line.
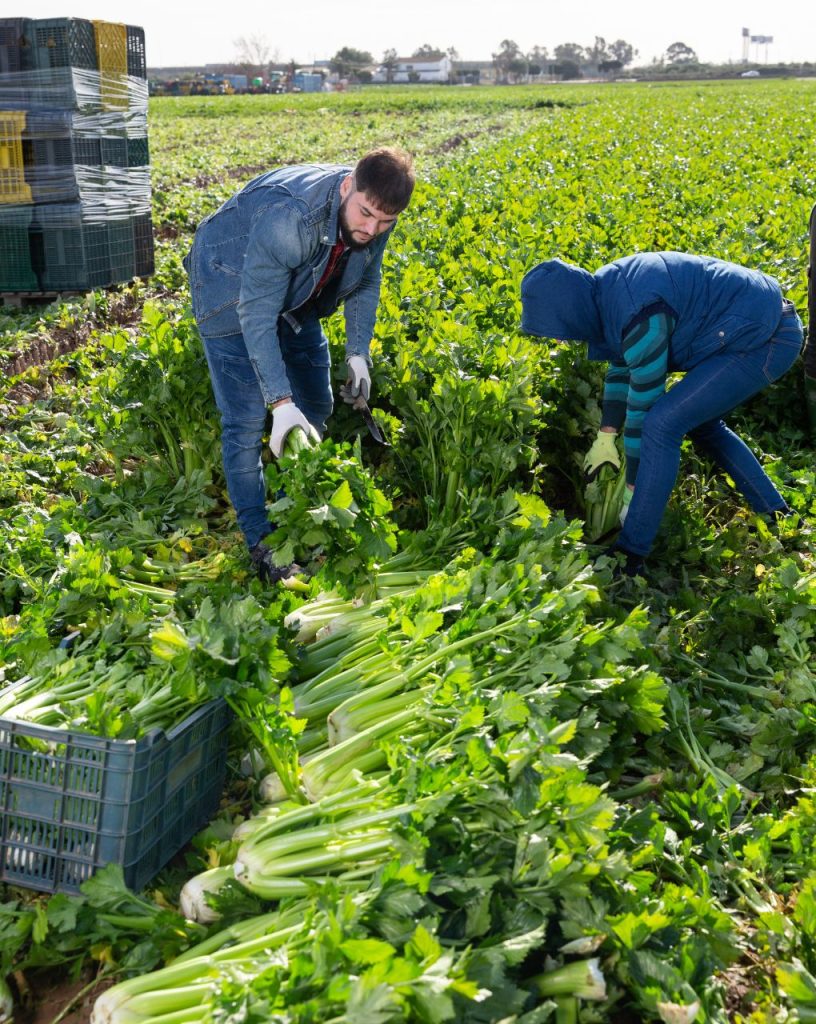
[(361, 405)]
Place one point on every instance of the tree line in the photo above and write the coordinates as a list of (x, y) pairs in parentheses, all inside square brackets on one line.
[(567, 60)]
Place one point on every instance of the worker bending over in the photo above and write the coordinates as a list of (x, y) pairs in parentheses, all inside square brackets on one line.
[(729, 330), (264, 269)]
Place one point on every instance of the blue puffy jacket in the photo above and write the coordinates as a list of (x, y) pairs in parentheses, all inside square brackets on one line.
[(259, 257), (716, 305)]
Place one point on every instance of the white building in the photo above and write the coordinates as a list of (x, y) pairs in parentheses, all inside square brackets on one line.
[(411, 69)]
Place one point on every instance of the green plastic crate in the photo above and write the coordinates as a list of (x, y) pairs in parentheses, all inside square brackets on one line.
[(16, 270), (120, 249), (114, 150), (67, 252), (138, 152), (143, 254), (71, 803)]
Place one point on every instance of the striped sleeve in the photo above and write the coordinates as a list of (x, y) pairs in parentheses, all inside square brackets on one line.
[(646, 357), (616, 392)]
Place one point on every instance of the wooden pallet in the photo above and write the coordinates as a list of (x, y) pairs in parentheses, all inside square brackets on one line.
[(16, 300)]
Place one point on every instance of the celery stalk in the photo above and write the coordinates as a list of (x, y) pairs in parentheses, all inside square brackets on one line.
[(582, 979)]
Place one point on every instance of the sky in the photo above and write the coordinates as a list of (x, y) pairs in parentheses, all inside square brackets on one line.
[(205, 32)]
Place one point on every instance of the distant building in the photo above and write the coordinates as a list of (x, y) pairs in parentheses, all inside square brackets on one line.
[(178, 72), (473, 72), (411, 69), (307, 81)]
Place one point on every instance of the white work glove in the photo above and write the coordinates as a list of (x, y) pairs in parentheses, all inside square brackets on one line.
[(627, 498), (285, 418), (358, 384)]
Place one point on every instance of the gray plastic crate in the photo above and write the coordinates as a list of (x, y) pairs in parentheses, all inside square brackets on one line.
[(64, 43), (71, 803), (16, 45)]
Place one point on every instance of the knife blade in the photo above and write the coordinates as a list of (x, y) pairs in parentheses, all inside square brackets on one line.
[(361, 405)]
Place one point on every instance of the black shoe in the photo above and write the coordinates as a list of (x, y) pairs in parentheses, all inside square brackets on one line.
[(786, 517), (783, 521), (790, 528), (633, 565), (263, 561)]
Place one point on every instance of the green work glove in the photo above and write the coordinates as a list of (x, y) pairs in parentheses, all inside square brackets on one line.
[(604, 452), (627, 498)]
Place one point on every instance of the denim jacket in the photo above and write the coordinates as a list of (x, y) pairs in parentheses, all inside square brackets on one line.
[(258, 258)]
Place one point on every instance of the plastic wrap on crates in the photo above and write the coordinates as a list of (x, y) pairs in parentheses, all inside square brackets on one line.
[(104, 191), (64, 153), (69, 250), (76, 246), (47, 123), (59, 124), (62, 183), (132, 123), (127, 191), (72, 89), (13, 186)]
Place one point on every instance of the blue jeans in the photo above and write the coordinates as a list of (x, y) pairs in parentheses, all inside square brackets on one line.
[(243, 411), (695, 407)]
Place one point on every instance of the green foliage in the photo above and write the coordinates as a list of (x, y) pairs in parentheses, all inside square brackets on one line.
[(106, 923), (330, 511)]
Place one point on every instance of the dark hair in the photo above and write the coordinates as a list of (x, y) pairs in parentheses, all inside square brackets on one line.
[(386, 176)]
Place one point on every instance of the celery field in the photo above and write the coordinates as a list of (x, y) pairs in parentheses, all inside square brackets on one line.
[(471, 776)]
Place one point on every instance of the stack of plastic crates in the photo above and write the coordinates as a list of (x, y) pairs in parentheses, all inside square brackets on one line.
[(74, 161)]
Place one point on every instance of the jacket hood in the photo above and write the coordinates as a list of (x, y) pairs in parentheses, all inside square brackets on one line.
[(558, 301)]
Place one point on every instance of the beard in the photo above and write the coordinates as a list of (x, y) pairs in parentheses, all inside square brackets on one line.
[(345, 230)]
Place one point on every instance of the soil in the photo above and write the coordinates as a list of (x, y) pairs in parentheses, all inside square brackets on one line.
[(740, 989), (247, 170), (454, 141), (124, 310), (44, 998)]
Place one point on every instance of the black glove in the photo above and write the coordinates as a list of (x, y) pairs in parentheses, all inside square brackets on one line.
[(263, 562), (633, 565)]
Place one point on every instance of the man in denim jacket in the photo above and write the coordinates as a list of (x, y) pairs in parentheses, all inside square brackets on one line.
[(284, 252)]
